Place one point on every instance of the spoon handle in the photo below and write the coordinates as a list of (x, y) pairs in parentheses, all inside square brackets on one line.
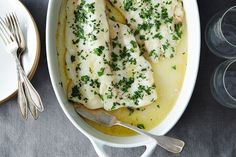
[(168, 143)]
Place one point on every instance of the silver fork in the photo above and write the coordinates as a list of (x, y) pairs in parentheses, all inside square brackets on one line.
[(13, 24), (12, 46)]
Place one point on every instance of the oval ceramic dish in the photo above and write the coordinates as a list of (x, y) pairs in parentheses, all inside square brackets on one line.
[(99, 139)]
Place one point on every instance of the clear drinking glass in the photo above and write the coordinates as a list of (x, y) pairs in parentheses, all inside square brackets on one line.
[(220, 33), (223, 83)]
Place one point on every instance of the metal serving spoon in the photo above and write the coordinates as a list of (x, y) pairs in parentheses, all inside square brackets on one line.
[(100, 116)]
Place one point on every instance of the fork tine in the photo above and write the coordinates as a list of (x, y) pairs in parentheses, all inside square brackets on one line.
[(11, 24), (14, 28), (8, 24), (3, 36), (3, 33), (16, 24), (7, 21), (7, 31), (5, 27)]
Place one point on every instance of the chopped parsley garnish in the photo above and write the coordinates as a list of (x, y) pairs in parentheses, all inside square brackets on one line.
[(133, 43), (80, 18), (165, 16), (109, 94), (124, 84), (153, 54), (85, 78), (174, 67), (139, 94), (61, 84), (157, 24), (72, 58), (142, 37), (132, 20), (98, 51), (146, 13), (75, 92), (101, 72), (178, 30), (113, 18), (131, 110), (166, 46), (78, 67), (128, 5), (91, 7), (141, 126), (114, 105), (99, 95), (158, 35), (133, 61)]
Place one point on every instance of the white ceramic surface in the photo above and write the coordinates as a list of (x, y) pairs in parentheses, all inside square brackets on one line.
[(99, 139), (8, 78)]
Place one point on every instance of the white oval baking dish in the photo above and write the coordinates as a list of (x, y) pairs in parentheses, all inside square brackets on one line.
[(99, 139)]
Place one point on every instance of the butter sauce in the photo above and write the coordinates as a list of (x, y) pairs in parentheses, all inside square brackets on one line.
[(168, 73)]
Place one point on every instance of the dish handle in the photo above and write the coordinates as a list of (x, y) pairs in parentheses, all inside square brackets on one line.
[(99, 148)]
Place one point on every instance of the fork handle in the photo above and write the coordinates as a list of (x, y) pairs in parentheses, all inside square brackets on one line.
[(32, 95), (25, 104), (21, 99)]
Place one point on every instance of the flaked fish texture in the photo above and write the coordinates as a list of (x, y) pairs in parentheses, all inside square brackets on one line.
[(104, 62), (156, 24), (133, 74), (87, 58)]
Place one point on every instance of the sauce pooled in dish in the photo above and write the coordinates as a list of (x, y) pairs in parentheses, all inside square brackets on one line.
[(168, 72)]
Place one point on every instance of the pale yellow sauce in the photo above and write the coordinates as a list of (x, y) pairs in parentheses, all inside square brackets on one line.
[(169, 75)]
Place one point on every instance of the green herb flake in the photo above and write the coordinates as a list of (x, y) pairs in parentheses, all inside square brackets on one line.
[(75, 92), (178, 30), (133, 43), (153, 54), (141, 126), (101, 72), (128, 5), (78, 67), (98, 51), (113, 18), (174, 67), (131, 110), (114, 105), (85, 78), (133, 61), (158, 35), (61, 84), (72, 58)]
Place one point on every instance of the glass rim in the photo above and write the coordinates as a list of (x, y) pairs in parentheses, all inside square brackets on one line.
[(226, 69), (221, 19)]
